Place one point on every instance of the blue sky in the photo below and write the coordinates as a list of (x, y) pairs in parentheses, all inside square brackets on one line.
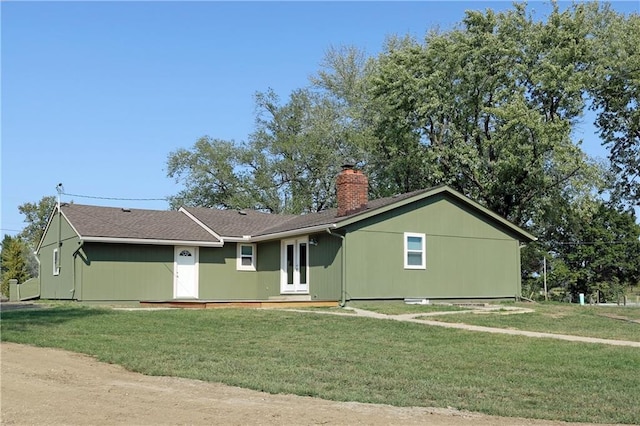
[(95, 95)]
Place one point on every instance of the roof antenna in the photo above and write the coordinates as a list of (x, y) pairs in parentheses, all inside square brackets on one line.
[(56, 259), (60, 190)]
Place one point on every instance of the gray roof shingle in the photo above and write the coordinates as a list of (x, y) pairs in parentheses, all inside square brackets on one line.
[(231, 223), (237, 223), (112, 222)]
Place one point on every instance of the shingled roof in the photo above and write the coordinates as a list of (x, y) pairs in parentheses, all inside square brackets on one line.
[(237, 224), (205, 226), (93, 222)]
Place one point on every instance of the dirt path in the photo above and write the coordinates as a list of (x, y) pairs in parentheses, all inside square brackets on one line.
[(419, 318), (49, 386)]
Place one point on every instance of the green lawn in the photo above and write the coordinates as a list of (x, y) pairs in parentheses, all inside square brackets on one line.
[(351, 359), (591, 321)]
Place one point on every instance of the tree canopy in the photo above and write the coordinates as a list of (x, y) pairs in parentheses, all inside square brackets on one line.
[(490, 108)]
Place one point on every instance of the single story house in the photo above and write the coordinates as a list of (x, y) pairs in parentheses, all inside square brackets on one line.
[(431, 244)]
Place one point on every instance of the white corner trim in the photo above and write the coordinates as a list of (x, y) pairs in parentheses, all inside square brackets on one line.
[(202, 225)]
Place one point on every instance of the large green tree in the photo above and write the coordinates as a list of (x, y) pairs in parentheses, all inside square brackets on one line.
[(491, 108), (288, 165), (488, 108), (616, 97)]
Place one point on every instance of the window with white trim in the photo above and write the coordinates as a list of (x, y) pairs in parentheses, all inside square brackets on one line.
[(415, 254), (56, 262), (246, 260)]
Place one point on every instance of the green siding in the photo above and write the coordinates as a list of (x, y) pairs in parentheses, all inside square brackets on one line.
[(269, 269), (219, 279), (126, 272), (325, 267), (58, 286), (467, 256)]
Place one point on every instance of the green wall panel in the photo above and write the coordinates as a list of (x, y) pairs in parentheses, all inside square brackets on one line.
[(58, 286), (467, 256), (220, 280), (325, 267), (126, 272)]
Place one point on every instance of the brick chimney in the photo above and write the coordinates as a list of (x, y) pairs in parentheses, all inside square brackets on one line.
[(352, 188)]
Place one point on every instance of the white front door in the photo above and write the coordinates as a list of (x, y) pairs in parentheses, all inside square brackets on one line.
[(185, 283), (294, 270)]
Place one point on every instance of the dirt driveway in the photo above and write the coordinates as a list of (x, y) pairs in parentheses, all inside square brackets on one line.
[(49, 386)]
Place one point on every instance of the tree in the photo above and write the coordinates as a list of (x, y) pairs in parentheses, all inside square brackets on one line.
[(288, 165), (600, 254), (36, 216), (14, 264), (616, 97), (488, 109)]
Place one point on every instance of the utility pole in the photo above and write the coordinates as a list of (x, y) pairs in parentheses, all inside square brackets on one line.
[(544, 277)]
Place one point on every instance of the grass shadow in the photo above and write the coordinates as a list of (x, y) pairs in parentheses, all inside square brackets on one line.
[(23, 319)]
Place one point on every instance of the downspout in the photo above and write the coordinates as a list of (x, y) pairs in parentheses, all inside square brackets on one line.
[(343, 283), (75, 255)]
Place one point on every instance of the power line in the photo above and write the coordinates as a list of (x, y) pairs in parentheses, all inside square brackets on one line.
[(114, 198)]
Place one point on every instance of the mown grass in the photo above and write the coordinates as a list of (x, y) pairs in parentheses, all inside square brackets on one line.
[(399, 307), (591, 321), (351, 359)]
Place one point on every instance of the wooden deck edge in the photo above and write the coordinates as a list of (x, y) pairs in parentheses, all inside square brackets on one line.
[(218, 304)]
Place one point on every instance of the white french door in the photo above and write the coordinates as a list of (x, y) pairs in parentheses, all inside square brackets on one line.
[(294, 269)]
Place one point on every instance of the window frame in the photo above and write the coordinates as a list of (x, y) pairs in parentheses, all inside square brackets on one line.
[(240, 256), (56, 261), (422, 251)]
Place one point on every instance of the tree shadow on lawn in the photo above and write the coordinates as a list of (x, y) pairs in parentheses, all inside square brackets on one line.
[(44, 316)]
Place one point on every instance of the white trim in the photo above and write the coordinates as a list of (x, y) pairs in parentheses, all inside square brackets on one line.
[(295, 232), (152, 241), (422, 251), (239, 265), (297, 286), (196, 220), (243, 239)]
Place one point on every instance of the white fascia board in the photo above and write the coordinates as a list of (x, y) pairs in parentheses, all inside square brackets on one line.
[(202, 225), (244, 238), (293, 233), (152, 242)]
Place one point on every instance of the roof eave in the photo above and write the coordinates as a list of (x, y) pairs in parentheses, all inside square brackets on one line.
[(429, 193), (150, 241), (292, 233)]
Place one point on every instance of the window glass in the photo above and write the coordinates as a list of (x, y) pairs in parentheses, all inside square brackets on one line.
[(289, 263), (414, 243), (414, 259), (303, 263), (56, 262)]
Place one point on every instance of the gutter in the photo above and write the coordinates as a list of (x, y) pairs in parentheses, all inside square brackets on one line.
[(151, 241), (343, 283), (285, 234)]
